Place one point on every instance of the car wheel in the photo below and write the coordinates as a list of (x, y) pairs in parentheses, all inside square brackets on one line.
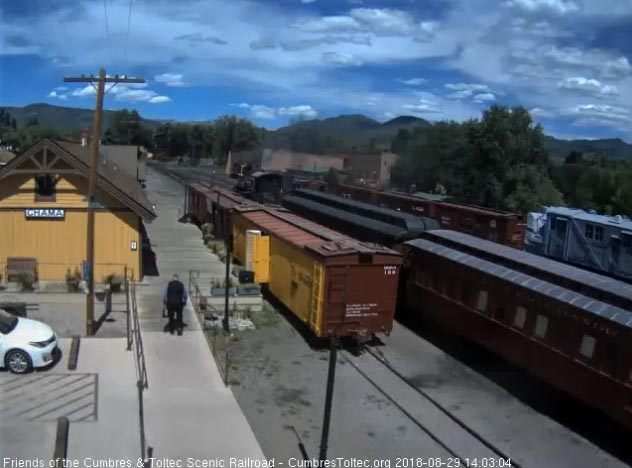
[(18, 362)]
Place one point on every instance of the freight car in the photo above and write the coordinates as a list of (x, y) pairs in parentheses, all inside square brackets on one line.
[(412, 224), (336, 285), (577, 344), (368, 229), (600, 287), (219, 204), (598, 242), (196, 197), (494, 225)]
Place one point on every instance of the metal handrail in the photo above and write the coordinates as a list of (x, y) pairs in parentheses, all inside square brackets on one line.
[(138, 340)]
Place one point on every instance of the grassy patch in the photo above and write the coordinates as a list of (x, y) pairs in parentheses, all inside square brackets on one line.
[(268, 317)]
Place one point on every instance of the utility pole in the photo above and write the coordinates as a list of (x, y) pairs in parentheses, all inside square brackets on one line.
[(92, 181), (130, 121)]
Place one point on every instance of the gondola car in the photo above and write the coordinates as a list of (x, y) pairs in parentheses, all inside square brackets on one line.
[(578, 344)]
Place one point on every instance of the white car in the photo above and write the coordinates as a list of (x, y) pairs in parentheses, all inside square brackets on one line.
[(25, 344)]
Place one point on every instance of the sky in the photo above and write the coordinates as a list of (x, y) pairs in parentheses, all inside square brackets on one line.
[(568, 61)]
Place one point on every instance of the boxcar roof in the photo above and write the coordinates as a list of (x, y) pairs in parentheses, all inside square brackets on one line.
[(307, 234), (585, 277), (592, 306), (390, 230)]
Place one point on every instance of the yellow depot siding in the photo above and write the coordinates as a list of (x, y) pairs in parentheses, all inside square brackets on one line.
[(18, 191), (59, 245), (291, 282)]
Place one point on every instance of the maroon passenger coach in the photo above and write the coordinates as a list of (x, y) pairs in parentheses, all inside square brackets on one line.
[(578, 344)]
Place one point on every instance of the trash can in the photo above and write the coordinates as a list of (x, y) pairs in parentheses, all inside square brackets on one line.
[(246, 277)]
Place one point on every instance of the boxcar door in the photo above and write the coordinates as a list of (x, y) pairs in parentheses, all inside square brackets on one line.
[(337, 293), (557, 239)]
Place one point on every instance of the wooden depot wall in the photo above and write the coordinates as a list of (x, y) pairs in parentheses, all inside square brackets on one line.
[(60, 244)]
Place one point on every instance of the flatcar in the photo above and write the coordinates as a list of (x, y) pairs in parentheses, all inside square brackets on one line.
[(575, 343), (363, 228), (494, 225), (338, 286), (588, 283)]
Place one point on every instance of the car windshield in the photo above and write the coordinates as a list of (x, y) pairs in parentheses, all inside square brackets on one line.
[(7, 322)]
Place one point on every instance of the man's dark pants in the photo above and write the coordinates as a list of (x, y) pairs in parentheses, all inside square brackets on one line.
[(177, 312)]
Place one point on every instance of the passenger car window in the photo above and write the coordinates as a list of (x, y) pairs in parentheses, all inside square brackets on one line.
[(541, 325), (598, 233), (520, 317), (482, 301), (589, 231), (588, 346)]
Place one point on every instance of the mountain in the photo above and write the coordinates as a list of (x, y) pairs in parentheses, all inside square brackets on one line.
[(64, 119), (341, 134), (611, 148), (336, 134)]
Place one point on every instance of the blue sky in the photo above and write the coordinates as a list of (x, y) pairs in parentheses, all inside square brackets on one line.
[(569, 61)]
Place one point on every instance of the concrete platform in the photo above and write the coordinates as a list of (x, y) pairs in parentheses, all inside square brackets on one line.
[(189, 412)]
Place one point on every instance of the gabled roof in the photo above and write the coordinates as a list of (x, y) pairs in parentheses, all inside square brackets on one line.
[(75, 158)]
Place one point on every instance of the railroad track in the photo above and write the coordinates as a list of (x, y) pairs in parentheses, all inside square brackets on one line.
[(466, 447), (188, 174)]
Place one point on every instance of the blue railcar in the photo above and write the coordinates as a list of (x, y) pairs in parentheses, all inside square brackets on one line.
[(598, 242)]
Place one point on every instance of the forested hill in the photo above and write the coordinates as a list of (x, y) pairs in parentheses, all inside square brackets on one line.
[(336, 134), (64, 119)]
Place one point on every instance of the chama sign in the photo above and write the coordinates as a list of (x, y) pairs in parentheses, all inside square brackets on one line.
[(44, 213)]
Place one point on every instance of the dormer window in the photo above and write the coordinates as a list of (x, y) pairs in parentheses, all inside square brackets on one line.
[(45, 187)]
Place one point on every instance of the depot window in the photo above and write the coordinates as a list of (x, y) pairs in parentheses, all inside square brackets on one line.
[(598, 233), (45, 186), (589, 231), (587, 347), (626, 240)]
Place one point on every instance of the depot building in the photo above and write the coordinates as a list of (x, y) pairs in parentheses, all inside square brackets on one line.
[(43, 214)]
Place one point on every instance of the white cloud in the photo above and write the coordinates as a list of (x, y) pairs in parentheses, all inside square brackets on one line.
[(341, 58), (543, 113), (159, 100), (88, 90), (587, 86), (599, 114), (258, 111), (414, 81), (61, 88), (56, 95), (304, 110), (484, 97), (471, 87), (308, 1), (424, 107), (561, 7), (170, 79)]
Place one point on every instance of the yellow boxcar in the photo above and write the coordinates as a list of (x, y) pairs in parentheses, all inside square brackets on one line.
[(338, 287)]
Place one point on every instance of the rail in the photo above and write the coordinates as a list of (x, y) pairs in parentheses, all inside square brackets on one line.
[(134, 337), (218, 341)]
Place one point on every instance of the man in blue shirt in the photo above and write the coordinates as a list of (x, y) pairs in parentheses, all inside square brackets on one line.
[(174, 296)]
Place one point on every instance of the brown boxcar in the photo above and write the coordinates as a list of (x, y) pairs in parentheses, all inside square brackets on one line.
[(494, 225), (575, 343), (220, 202), (336, 285), (196, 196)]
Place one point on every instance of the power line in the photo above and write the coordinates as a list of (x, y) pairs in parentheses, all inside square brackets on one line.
[(129, 20), (107, 28)]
